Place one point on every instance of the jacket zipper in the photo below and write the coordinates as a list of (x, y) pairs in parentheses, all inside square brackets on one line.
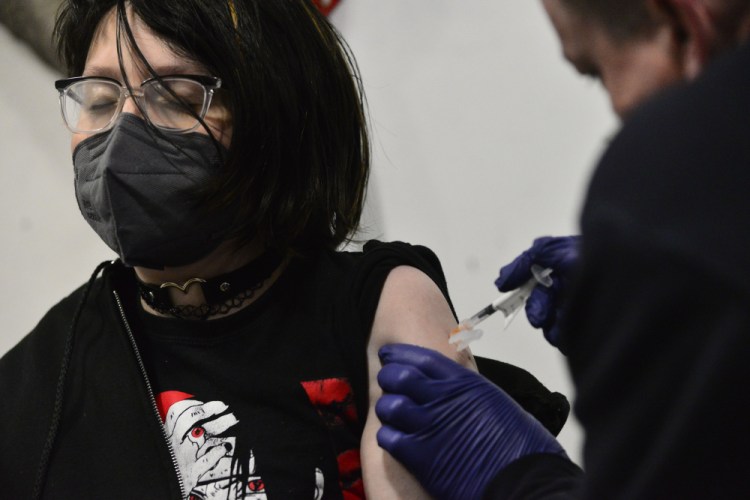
[(152, 399)]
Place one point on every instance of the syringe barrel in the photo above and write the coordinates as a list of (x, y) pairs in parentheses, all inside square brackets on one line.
[(479, 317), (515, 300)]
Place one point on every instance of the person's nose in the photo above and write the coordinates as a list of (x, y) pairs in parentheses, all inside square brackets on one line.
[(130, 106)]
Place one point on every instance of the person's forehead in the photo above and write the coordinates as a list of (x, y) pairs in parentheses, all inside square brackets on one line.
[(102, 57)]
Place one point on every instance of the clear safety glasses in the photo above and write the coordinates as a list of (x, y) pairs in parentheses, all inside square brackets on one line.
[(172, 103)]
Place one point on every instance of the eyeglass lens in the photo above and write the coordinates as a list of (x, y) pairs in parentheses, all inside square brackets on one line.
[(172, 104)]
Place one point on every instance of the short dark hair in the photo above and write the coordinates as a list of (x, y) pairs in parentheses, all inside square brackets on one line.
[(299, 157), (623, 19), (626, 19)]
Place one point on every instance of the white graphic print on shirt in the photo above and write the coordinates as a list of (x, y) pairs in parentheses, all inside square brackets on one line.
[(205, 459), (197, 432)]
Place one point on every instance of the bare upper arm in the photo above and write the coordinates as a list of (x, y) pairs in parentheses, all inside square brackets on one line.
[(411, 310)]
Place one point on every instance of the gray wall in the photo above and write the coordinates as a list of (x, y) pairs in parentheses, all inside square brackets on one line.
[(483, 140)]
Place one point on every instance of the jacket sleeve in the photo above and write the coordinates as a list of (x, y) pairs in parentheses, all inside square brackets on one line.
[(537, 477), (659, 356)]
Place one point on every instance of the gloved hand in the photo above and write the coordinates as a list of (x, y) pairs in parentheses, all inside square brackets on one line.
[(544, 304), (449, 426)]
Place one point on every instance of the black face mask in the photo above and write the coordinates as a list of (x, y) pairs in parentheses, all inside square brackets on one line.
[(138, 188)]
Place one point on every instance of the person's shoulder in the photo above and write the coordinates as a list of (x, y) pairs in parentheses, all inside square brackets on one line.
[(675, 178), (29, 382), (355, 276), (375, 255), (29, 371), (49, 331), (376, 259), (682, 142), (684, 122), (377, 249), (393, 253), (42, 347)]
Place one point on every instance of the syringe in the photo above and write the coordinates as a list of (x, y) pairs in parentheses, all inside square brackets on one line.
[(509, 304)]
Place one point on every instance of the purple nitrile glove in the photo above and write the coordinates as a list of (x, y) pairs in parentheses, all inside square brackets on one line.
[(449, 426), (544, 304)]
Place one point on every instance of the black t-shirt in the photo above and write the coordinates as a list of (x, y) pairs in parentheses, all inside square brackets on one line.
[(263, 401)]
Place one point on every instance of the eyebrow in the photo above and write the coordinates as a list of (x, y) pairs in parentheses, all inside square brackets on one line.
[(189, 68), (101, 71), (163, 70)]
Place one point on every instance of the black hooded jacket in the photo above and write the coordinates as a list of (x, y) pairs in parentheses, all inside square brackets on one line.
[(80, 418)]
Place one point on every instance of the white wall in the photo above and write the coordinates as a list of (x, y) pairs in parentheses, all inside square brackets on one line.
[(483, 139), (47, 250)]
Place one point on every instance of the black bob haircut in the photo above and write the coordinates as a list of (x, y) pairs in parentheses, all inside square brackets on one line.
[(299, 157)]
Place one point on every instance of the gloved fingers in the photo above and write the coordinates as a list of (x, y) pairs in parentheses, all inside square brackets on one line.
[(391, 440), (402, 413), (430, 363), (515, 274), (398, 378), (559, 253), (540, 306)]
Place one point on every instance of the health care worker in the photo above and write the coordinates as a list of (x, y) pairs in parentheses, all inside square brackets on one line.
[(656, 317)]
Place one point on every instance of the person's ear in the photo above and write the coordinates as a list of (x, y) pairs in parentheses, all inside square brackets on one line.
[(693, 30)]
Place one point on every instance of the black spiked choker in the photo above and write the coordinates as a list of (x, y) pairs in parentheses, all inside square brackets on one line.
[(222, 293)]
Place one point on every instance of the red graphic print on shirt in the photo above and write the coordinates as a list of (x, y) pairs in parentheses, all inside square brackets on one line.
[(334, 400)]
